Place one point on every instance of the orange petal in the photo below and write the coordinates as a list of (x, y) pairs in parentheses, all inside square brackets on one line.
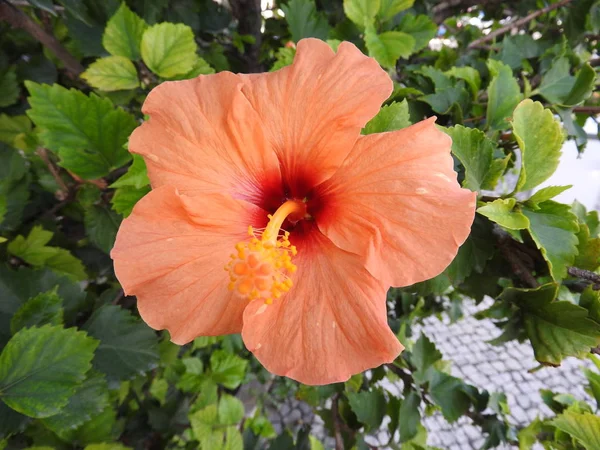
[(170, 253), (203, 136), (313, 110), (329, 326), (397, 203)]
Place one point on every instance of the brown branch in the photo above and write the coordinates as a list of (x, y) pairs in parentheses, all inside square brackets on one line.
[(18, 19), (517, 23), (587, 109), (587, 275), (337, 426), (517, 264), (248, 15), (64, 191)]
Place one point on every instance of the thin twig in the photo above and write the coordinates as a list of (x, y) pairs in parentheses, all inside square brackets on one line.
[(587, 109), (64, 189), (584, 274), (517, 23), (18, 19), (337, 427)]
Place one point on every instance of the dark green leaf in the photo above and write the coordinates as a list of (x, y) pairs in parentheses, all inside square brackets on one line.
[(127, 346), (304, 20), (450, 394), (40, 368), (44, 308), (369, 407), (9, 88), (88, 401), (101, 225), (410, 417), (556, 329)]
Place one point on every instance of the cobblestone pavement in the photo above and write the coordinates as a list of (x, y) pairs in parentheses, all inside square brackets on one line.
[(495, 368)]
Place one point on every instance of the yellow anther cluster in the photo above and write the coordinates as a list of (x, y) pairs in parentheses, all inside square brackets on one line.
[(260, 268)]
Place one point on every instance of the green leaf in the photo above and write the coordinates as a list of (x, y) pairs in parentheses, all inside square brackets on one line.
[(470, 75), (588, 249), (590, 300), (201, 67), (123, 33), (450, 394), (594, 381), (361, 12), (445, 100), (503, 95), (502, 212), (389, 8), (528, 435), (556, 329), (369, 407), (14, 187), (87, 133), (33, 250), (40, 368), (410, 417), (473, 254), (540, 139), (9, 88), (584, 427), (89, 400), (230, 410), (475, 151), (394, 116), (227, 369), (127, 346), (112, 73), (304, 20), (553, 227), (44, 308), (420, 27), (18, 286), (283, 57), (101, 427), (559, 87), (125, 199), (424, 354), (545, 194), (107, 446), (101, 225), (169, 49), (387, 47), (136, 176), (13, 126), (158, 390)]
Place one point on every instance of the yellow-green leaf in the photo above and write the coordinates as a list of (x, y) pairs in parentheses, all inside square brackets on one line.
[(169, 49), (113, 73)]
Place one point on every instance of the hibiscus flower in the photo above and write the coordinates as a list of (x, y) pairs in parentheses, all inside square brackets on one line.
[(268, 177)]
